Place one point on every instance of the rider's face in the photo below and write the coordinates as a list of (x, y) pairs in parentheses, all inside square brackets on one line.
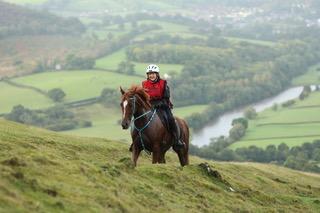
[(152, 76)]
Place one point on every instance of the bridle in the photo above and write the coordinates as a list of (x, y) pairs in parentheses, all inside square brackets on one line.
[(133, 119)]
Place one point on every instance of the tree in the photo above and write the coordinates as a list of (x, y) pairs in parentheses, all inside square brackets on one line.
[(126, 67), (274, 107), (242, 121), (271, 153), (283, 152), (56, 94), (237, 132), (73, 62), (250, 113), (109, 97)]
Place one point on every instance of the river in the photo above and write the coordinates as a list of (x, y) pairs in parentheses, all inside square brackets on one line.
[(222, 125)]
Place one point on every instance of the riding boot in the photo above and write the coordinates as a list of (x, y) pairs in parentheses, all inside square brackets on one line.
[(178, 144), (131, 147)]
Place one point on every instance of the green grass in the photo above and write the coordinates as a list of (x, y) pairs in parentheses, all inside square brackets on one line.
[(311, 77), (11, 96), (184, 112), (294, 126), (78, 84), (112, 61), (104, 123), (291, 142), (252, 41), (42, 171)]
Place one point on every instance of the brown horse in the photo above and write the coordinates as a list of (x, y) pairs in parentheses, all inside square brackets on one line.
[(148, 133)]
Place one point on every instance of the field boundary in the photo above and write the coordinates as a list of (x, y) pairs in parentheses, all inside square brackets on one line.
[(292, 123), (42, 92), (303, 107), (281, 137), (115, 71)]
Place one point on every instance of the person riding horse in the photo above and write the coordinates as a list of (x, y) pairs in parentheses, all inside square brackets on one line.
[(159, 93)]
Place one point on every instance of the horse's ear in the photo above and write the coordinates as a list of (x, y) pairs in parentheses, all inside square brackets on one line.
[(121, 90)]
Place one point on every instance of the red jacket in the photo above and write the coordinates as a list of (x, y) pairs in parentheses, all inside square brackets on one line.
[(155, 89)]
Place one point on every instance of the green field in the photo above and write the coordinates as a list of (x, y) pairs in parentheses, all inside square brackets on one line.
[(184, 112), (167, 26), (311, 77), (42, 171), (11, 96), (105, 121), (252, 41), (78, 85), (295, 125), (111, 62)]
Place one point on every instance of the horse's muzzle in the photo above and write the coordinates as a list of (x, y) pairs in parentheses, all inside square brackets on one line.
[(125, 124)]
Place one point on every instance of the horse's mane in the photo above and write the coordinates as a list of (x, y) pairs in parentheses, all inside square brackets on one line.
[(138, 90)]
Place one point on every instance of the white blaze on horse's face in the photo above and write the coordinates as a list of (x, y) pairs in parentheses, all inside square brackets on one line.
[(125, 103)]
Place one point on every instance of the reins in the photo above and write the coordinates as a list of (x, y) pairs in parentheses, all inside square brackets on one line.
[(133, 125)]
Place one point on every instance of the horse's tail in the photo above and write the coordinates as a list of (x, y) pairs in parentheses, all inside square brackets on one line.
[(185, 138)]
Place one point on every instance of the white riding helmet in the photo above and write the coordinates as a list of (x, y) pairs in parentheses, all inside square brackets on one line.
[(152, 68)]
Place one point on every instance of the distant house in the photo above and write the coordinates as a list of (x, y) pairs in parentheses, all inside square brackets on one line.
[(58, 67)]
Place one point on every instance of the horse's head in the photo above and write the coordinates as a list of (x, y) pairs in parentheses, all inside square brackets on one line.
[(131, 101)]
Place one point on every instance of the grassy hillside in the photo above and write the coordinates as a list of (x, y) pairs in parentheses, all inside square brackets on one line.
[(294, 126), (46, 172)]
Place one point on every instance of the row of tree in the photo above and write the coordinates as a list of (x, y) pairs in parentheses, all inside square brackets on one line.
[(56, 118), (305, 157)]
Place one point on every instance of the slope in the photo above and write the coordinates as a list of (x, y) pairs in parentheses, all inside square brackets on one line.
[(41, 171)]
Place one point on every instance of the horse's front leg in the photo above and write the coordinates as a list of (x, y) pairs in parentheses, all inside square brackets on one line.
[(155, 154), (135, 153)]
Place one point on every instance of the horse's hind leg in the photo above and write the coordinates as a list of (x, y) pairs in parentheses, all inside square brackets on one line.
[(183, 156), (162, 158)]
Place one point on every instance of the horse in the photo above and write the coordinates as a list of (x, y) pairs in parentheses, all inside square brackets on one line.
[(147, 130)]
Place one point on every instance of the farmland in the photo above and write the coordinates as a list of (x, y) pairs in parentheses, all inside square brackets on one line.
[(78, 85), (112, 61), (292, 125)]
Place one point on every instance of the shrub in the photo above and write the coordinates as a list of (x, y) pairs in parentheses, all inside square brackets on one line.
[(56, 94), (250, 113)]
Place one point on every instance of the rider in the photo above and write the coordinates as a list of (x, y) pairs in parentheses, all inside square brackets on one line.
[(159, 93)]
